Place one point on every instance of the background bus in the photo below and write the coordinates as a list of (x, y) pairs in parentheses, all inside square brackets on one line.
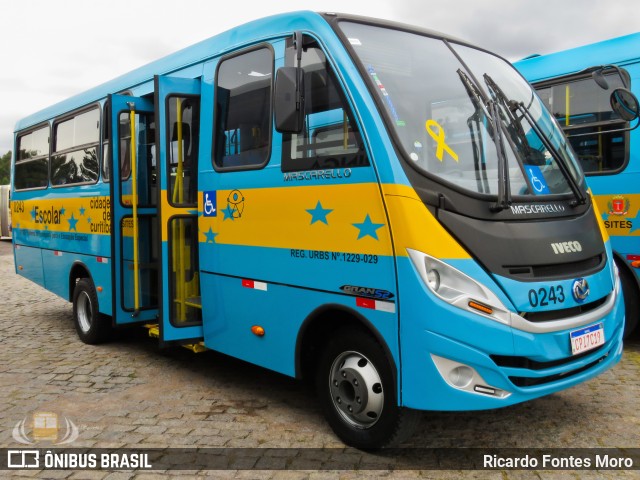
[(5, 211), (566, 83)]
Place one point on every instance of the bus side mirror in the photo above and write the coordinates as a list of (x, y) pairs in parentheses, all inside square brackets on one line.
[(289, 100), (625, 104)]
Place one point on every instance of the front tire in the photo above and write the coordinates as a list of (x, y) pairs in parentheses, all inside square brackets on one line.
[(357, 391), (92, 326)]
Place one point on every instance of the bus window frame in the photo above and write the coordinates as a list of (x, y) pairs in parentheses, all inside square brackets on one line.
[(196, 160), (52, 141), (105, 139), (107, 131), (287, 164), (236, 53), (563, 80), (23, 133)]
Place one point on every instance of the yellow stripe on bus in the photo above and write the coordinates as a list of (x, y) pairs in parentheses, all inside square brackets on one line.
[(90, 215), (415, 227), (341, 218)]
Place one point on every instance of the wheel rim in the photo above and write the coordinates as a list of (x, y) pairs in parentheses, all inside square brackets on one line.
[(356, 389), (84, 311)]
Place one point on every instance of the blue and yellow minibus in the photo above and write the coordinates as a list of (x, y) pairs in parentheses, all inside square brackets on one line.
[(382, 209), (575, 85)]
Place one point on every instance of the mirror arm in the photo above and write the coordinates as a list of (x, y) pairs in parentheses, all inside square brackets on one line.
[(297, 44), (606, 131), (598, 71)]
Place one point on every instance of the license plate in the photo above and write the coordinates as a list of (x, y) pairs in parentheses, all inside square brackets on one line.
[(587, 338)]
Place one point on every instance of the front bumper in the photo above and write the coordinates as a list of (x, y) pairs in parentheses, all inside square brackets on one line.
[(511, 364)]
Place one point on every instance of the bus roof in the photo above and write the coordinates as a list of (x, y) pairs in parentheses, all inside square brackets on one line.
[(619, 51), (252, 32)]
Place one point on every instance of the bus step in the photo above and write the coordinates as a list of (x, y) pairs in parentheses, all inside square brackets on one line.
[(196, 347), (154, 331)]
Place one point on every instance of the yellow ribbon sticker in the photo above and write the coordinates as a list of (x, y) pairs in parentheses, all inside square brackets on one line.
[(438, 136)]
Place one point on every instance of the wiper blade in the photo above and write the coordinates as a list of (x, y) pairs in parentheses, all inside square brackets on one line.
[(477, 97), (473, 121), (573, 184), (504, 187), (511, 106), (492, 113)]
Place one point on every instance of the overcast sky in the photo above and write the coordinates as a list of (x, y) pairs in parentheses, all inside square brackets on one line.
[(53, 49)]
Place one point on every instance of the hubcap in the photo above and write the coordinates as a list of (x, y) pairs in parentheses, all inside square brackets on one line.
[(356, 389), (84, 311)]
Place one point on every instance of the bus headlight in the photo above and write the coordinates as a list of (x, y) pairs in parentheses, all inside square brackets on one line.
[(458, 289), (433, 279)]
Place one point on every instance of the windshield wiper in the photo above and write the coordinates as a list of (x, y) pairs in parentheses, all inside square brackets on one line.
[(504, 184), (473, 123), (573, 184), (512, 106), (492, 113)]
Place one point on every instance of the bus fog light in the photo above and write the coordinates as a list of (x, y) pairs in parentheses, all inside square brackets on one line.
[(466, 378), (461, 376)]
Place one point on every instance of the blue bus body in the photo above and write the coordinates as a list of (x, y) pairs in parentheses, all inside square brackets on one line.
[(278, 264), (611, 161)]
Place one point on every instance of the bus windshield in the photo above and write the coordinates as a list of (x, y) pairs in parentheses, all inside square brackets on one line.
[(465, 116)]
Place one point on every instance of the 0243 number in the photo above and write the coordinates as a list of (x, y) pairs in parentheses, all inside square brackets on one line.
[(543, 297)]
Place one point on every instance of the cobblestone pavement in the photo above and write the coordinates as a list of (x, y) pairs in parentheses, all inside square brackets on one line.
[(129, 393)]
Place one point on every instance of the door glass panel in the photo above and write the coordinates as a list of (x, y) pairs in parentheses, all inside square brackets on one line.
[(145, 152), (184, 279), (147, 265), (183, 136)]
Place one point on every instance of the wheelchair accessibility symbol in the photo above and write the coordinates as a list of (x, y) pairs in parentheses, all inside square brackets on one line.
[(210, 207), (538, 183)]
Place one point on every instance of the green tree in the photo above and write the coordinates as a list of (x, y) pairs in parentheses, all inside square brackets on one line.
[(5, 168)]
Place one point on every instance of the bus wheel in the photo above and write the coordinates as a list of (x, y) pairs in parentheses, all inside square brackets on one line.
[(631, 305), (358, 395), (91, 325)]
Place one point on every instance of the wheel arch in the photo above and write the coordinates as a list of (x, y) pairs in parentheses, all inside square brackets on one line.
[(78, 270), (622, 264), (630, 286), (317, 328)]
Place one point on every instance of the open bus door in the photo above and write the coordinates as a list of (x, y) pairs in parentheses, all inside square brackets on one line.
[(134, 211), (177, 102), (155, 210)]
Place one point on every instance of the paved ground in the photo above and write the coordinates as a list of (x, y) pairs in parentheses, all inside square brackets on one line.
[(131, 394)]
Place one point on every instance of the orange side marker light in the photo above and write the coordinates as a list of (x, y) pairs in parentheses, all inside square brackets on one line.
[(482, 308), (257, 330)]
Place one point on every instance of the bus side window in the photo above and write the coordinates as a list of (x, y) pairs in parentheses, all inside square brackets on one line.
[(330, 137), (583, 109), (243, 92), (75, 149), (32, 160)]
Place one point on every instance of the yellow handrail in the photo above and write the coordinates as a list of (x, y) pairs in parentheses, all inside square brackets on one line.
[(134, 204)]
